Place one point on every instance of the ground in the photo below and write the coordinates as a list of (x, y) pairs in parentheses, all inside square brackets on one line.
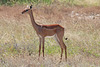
[(19, 42)]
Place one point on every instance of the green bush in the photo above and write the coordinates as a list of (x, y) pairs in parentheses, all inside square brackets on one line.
[(48, 2), (12, 2)]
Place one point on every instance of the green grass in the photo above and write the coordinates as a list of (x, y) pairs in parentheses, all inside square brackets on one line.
[(52, 49)]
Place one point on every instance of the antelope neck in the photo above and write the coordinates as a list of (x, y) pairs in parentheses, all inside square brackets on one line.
[(35, 25)]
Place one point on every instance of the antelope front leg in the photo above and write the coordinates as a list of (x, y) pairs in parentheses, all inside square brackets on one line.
[(39, 47), (43, 45)]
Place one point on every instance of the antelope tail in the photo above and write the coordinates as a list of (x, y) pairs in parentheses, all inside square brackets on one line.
[(65, 38)]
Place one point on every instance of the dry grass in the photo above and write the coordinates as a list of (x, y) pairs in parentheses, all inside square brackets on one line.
[(19, 42)]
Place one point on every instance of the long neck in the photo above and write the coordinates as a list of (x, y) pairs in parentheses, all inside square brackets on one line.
[(35, 25)]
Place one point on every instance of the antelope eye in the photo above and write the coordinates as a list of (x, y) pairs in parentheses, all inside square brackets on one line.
[(26, 10)]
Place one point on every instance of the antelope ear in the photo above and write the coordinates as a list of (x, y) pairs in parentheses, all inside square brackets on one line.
[(31, 7)]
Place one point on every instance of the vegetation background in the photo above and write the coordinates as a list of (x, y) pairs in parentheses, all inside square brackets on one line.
[(19, 42), (71, 2)]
